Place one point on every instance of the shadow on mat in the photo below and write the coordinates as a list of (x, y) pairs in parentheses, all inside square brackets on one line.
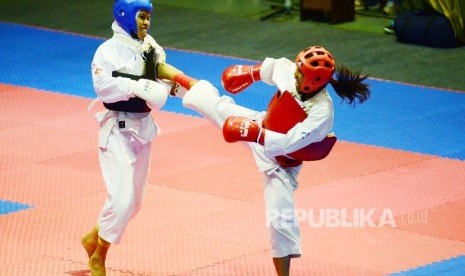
[(85, 272)]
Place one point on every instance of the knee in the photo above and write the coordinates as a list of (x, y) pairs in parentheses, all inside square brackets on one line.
[(125, 206), (279, 219)]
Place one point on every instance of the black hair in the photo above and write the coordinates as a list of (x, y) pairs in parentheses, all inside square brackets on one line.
[(350, 85)]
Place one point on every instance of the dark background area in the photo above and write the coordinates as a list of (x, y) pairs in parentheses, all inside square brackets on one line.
[(234, 28)]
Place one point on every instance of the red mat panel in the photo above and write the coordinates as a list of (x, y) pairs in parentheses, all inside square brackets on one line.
[(203, 212)]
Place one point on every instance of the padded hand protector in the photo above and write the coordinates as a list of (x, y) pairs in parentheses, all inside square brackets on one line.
[(237, 128), (236, 78), (154, 93)]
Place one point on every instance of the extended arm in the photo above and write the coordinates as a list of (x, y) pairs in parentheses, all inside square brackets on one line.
[(171, 73)]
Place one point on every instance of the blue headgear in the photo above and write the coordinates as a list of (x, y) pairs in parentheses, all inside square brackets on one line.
[(125, 11)]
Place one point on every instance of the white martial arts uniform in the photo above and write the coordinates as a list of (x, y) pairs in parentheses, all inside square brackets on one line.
[(279, 182), (124, 152)]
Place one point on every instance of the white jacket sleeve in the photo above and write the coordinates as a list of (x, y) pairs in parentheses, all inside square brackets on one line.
[(109, 89), (279, 72)]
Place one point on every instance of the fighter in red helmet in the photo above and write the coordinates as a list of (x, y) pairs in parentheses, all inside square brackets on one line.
[(296, 127)]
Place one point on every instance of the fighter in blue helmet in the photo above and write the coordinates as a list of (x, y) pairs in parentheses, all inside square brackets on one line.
[(126, 72), (125, 13)]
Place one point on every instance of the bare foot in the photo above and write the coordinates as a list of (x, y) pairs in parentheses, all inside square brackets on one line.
[(89, 246), (90, 241), (97, 266)]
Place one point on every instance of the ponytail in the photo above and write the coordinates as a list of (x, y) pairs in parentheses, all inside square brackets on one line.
[(349, 85)]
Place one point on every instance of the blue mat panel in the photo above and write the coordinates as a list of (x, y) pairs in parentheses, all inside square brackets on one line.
[(398, 116), (7, 207), (451, 267)]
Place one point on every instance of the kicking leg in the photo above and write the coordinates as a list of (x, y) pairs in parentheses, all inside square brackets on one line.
[(205, 99)]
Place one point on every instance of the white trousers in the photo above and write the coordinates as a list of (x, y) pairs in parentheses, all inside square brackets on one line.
[(125, 165), (279, 186), (279, 183)]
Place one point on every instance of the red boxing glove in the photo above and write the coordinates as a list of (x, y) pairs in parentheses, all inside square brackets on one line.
[(236, 78), (237, 128)]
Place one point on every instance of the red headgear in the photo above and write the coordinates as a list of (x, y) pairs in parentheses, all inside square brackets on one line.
[(317, 66)]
